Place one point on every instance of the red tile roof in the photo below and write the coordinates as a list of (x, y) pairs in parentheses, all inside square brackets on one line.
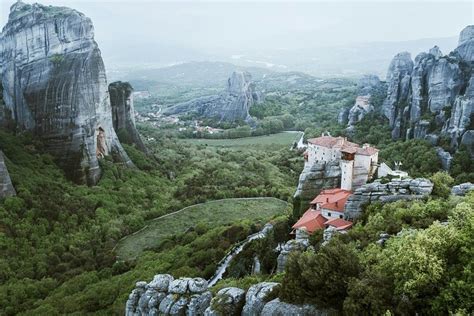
[(339, 223), (344, 144), (367, 151), (311, 220), (332, 199)]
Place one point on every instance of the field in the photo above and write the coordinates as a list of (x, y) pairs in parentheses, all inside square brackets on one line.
[(215, 213), (283, 138)]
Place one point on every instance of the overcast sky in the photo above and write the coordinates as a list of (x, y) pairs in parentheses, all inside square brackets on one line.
[(227, 26)]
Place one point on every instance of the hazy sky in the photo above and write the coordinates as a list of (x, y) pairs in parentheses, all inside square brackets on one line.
[(229, 26)]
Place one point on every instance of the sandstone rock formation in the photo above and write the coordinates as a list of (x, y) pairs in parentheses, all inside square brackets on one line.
[(278, 308), (161, 297), (368, 87), (462, 189), (445, 158), (6, 186), (55, 86), (166, 296), (228, 301), (434, 95), (123, 114), (317, 177), (405, 189), (230, 105), (255, 299), (300, 243)]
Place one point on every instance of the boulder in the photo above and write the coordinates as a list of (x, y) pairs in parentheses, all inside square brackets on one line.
[(462, 189), (278, 308), (198, 303), (228, 301), (179, 286), (161, 282), (197, 285), (445, 158), (257, 297)]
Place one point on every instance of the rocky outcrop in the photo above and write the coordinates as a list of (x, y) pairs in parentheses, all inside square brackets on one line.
[(166, 296), (123, 114), (445, 158), (257, 297), (317, 177), (405, 189), (468, 141), (278, 308), (300, 243), (6, 186), (462, 189), (368, 87), (230, 105), (465, 47), (228, 301), (55, 86), (434, 95), (398, 86)]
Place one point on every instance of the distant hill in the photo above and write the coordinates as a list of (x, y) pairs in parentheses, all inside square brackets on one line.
[(192, 74)]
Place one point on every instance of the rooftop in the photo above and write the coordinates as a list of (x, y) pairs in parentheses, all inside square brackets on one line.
[(311, 220), (333, 199), (338, 223), (343, 144)]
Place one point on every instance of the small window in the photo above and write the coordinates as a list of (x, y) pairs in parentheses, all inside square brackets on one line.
[(329, 214), (340, 216)]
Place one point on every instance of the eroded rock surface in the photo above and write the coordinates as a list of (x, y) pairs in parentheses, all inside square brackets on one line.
[(462, 189), (228, 301), (166, 296), (55, 86), (6, 186), (230, 105), (257, 297), (434, 95), (317, 177), (123, 114), (395, 190)]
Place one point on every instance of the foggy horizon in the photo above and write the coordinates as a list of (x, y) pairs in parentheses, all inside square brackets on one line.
[(164, 33)]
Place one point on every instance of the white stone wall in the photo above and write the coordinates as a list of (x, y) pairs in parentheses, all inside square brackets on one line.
[(346, 174), (320, 153), (331, 213)]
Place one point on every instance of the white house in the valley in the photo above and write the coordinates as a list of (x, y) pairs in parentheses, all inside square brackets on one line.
[(358, 164)]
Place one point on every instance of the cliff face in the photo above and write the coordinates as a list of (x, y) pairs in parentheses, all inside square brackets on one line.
[(123, 114), (434, 95), (6, 186), (55, 86), (230, 105)]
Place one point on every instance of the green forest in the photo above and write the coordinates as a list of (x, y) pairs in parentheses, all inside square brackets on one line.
[(59, 239)]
